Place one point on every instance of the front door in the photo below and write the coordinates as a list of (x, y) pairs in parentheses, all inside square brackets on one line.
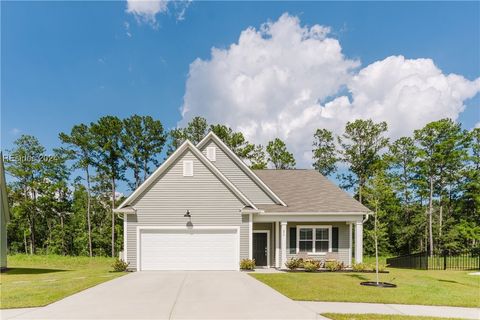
[(260, 243)]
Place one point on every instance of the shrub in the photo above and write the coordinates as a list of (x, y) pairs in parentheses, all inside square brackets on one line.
[(333, 265), (311, 265), (381, 267), (247, 264), (293, 263), (300, 262), (360, 267), (120, 265)]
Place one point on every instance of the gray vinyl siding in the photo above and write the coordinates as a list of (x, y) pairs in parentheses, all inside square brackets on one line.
[(343, 241), (165, 202), (237, 176), (268, 226), (244, 238)]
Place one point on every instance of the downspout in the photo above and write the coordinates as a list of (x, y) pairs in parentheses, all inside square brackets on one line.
[(366, 218)]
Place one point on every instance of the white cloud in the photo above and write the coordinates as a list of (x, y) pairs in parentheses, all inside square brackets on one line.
[(286, 80), (147, 11), (477, 125)]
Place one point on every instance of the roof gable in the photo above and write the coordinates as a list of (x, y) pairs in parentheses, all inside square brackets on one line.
[(242, 167), (187, 145)]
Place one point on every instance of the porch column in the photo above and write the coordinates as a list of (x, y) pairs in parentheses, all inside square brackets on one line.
[(250, 236), (284, 243), (277, 244), (358, 242), (350, 243)]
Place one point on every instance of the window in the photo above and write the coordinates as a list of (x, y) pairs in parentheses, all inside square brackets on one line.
[(314, 239), (188, 168), (321, 240), (211, 153)]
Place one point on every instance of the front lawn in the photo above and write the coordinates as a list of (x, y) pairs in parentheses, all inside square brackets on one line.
[(449, 288), (370, 316), (34, 281)]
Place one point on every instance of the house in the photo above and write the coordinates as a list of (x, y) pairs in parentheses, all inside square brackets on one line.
[(4, 216), (204, 209)]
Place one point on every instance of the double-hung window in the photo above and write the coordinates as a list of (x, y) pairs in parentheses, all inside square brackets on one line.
[(314, 239)]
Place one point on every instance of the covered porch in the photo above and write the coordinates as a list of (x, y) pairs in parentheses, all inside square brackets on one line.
[(275, 238)]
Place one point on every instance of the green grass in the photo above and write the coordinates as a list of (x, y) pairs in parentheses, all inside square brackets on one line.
[(34, 281), (450, 288), (370, 316)]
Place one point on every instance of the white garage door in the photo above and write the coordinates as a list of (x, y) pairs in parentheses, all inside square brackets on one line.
[(204, 249)]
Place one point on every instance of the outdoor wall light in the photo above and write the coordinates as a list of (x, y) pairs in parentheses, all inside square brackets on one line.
[(187, 214)]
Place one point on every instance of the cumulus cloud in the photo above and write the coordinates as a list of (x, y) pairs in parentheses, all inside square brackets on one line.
[(146, 11), (286, 80)]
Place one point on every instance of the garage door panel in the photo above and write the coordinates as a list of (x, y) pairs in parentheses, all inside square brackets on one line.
[(189, 250)]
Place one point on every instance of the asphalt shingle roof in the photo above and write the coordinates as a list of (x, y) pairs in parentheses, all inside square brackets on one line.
[(306, 191)]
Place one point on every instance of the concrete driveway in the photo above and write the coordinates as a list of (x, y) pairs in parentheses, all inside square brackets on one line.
[(175, 295)]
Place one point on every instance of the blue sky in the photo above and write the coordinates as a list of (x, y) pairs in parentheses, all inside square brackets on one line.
[(64, 63)]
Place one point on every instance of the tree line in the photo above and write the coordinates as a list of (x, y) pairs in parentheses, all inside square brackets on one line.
[(424, 188)]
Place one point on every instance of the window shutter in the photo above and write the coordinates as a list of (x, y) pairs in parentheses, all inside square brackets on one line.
[(293, 240), (211, 154), (335, 239), (187, 168)]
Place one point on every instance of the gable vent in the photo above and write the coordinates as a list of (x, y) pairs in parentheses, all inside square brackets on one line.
[(211, 153), (187, 168)]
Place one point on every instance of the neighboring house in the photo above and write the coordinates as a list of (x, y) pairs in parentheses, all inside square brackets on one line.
[(204, 209), (4, 216)]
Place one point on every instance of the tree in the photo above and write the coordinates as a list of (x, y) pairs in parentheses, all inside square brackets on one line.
[(441, 151), (54, 201), (362, 144), (26, 165), (195, 131), (401, 159), (324, 153), (142, 142), (257, 159), (80, 146), (234, 140), (107, 135), (279, 156), (378, 191)]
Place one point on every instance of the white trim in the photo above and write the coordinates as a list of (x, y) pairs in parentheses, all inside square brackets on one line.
[(308, 213), (268, 244), (212, 154), (125, 238), (241, 164), (186, 145), (277, 244), (307, 218), (250, 236), (184, 228), (284, 243), (314, 227), (187, 168), (349, 243)]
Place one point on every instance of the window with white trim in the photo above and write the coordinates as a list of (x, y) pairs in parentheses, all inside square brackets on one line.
[(314, 239), (187, 168), (211, 153)]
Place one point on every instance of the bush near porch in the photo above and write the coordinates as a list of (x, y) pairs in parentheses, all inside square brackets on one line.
[(442, 287)]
